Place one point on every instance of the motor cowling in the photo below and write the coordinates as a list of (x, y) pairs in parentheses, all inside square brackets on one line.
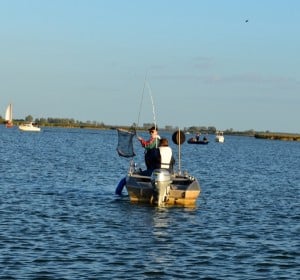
[(161, 180)]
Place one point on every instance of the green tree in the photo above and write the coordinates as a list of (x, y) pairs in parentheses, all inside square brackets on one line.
[(29, 118)]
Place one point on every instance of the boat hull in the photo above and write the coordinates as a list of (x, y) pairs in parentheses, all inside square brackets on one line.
[(193, 140), (9, 125), (200, 142), (180, 190), (29, 127), (220, 139)]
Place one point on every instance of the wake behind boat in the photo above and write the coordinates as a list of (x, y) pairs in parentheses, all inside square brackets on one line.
[(29, 127), (163, 187)]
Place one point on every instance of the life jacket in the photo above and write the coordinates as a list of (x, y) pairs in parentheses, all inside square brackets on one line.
[(166, 157)]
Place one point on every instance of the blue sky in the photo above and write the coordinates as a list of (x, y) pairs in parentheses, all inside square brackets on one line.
[(87, 60)]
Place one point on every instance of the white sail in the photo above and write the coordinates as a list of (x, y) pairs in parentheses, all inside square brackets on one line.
[(8, 113)]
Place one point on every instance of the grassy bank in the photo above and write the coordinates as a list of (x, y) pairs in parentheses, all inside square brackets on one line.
[(278, 136)]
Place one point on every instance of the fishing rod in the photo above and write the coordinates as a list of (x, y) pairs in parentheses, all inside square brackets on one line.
[(152, 102)]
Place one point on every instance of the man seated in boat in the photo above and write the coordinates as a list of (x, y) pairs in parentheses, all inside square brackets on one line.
[(149, 145), (166, 159), (161, 157)]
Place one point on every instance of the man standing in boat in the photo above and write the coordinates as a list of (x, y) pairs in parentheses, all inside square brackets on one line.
[(150, 145)]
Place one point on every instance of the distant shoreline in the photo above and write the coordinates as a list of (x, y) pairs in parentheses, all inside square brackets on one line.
[(278, 136), (250, 133)]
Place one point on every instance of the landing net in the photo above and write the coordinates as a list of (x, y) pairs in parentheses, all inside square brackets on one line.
[(125, 143)]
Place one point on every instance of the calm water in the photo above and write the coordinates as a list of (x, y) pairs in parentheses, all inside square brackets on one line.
[(60, 219)]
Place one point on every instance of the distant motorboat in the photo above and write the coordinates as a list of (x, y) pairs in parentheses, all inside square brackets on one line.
[(8, 116), (220, 137), (194, 140), (29, 127)]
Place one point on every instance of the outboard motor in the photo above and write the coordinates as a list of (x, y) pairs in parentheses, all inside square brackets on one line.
[(161, 180)]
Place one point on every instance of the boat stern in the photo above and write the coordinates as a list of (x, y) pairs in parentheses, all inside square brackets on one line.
[(161, 181)]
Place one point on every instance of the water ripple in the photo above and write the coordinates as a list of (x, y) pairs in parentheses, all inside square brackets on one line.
[(60, 218)]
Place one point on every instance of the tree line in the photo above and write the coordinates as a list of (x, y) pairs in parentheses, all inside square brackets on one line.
[(72, 123), (63, 122)]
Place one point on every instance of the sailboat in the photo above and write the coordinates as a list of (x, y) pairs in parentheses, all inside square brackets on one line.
[(8, 116)]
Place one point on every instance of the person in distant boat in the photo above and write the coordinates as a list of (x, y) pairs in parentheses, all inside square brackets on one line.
[(197, 136), (166, 159), (150, 146)]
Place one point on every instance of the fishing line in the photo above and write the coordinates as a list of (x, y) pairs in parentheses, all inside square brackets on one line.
[(138, 121), (152, 102)]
